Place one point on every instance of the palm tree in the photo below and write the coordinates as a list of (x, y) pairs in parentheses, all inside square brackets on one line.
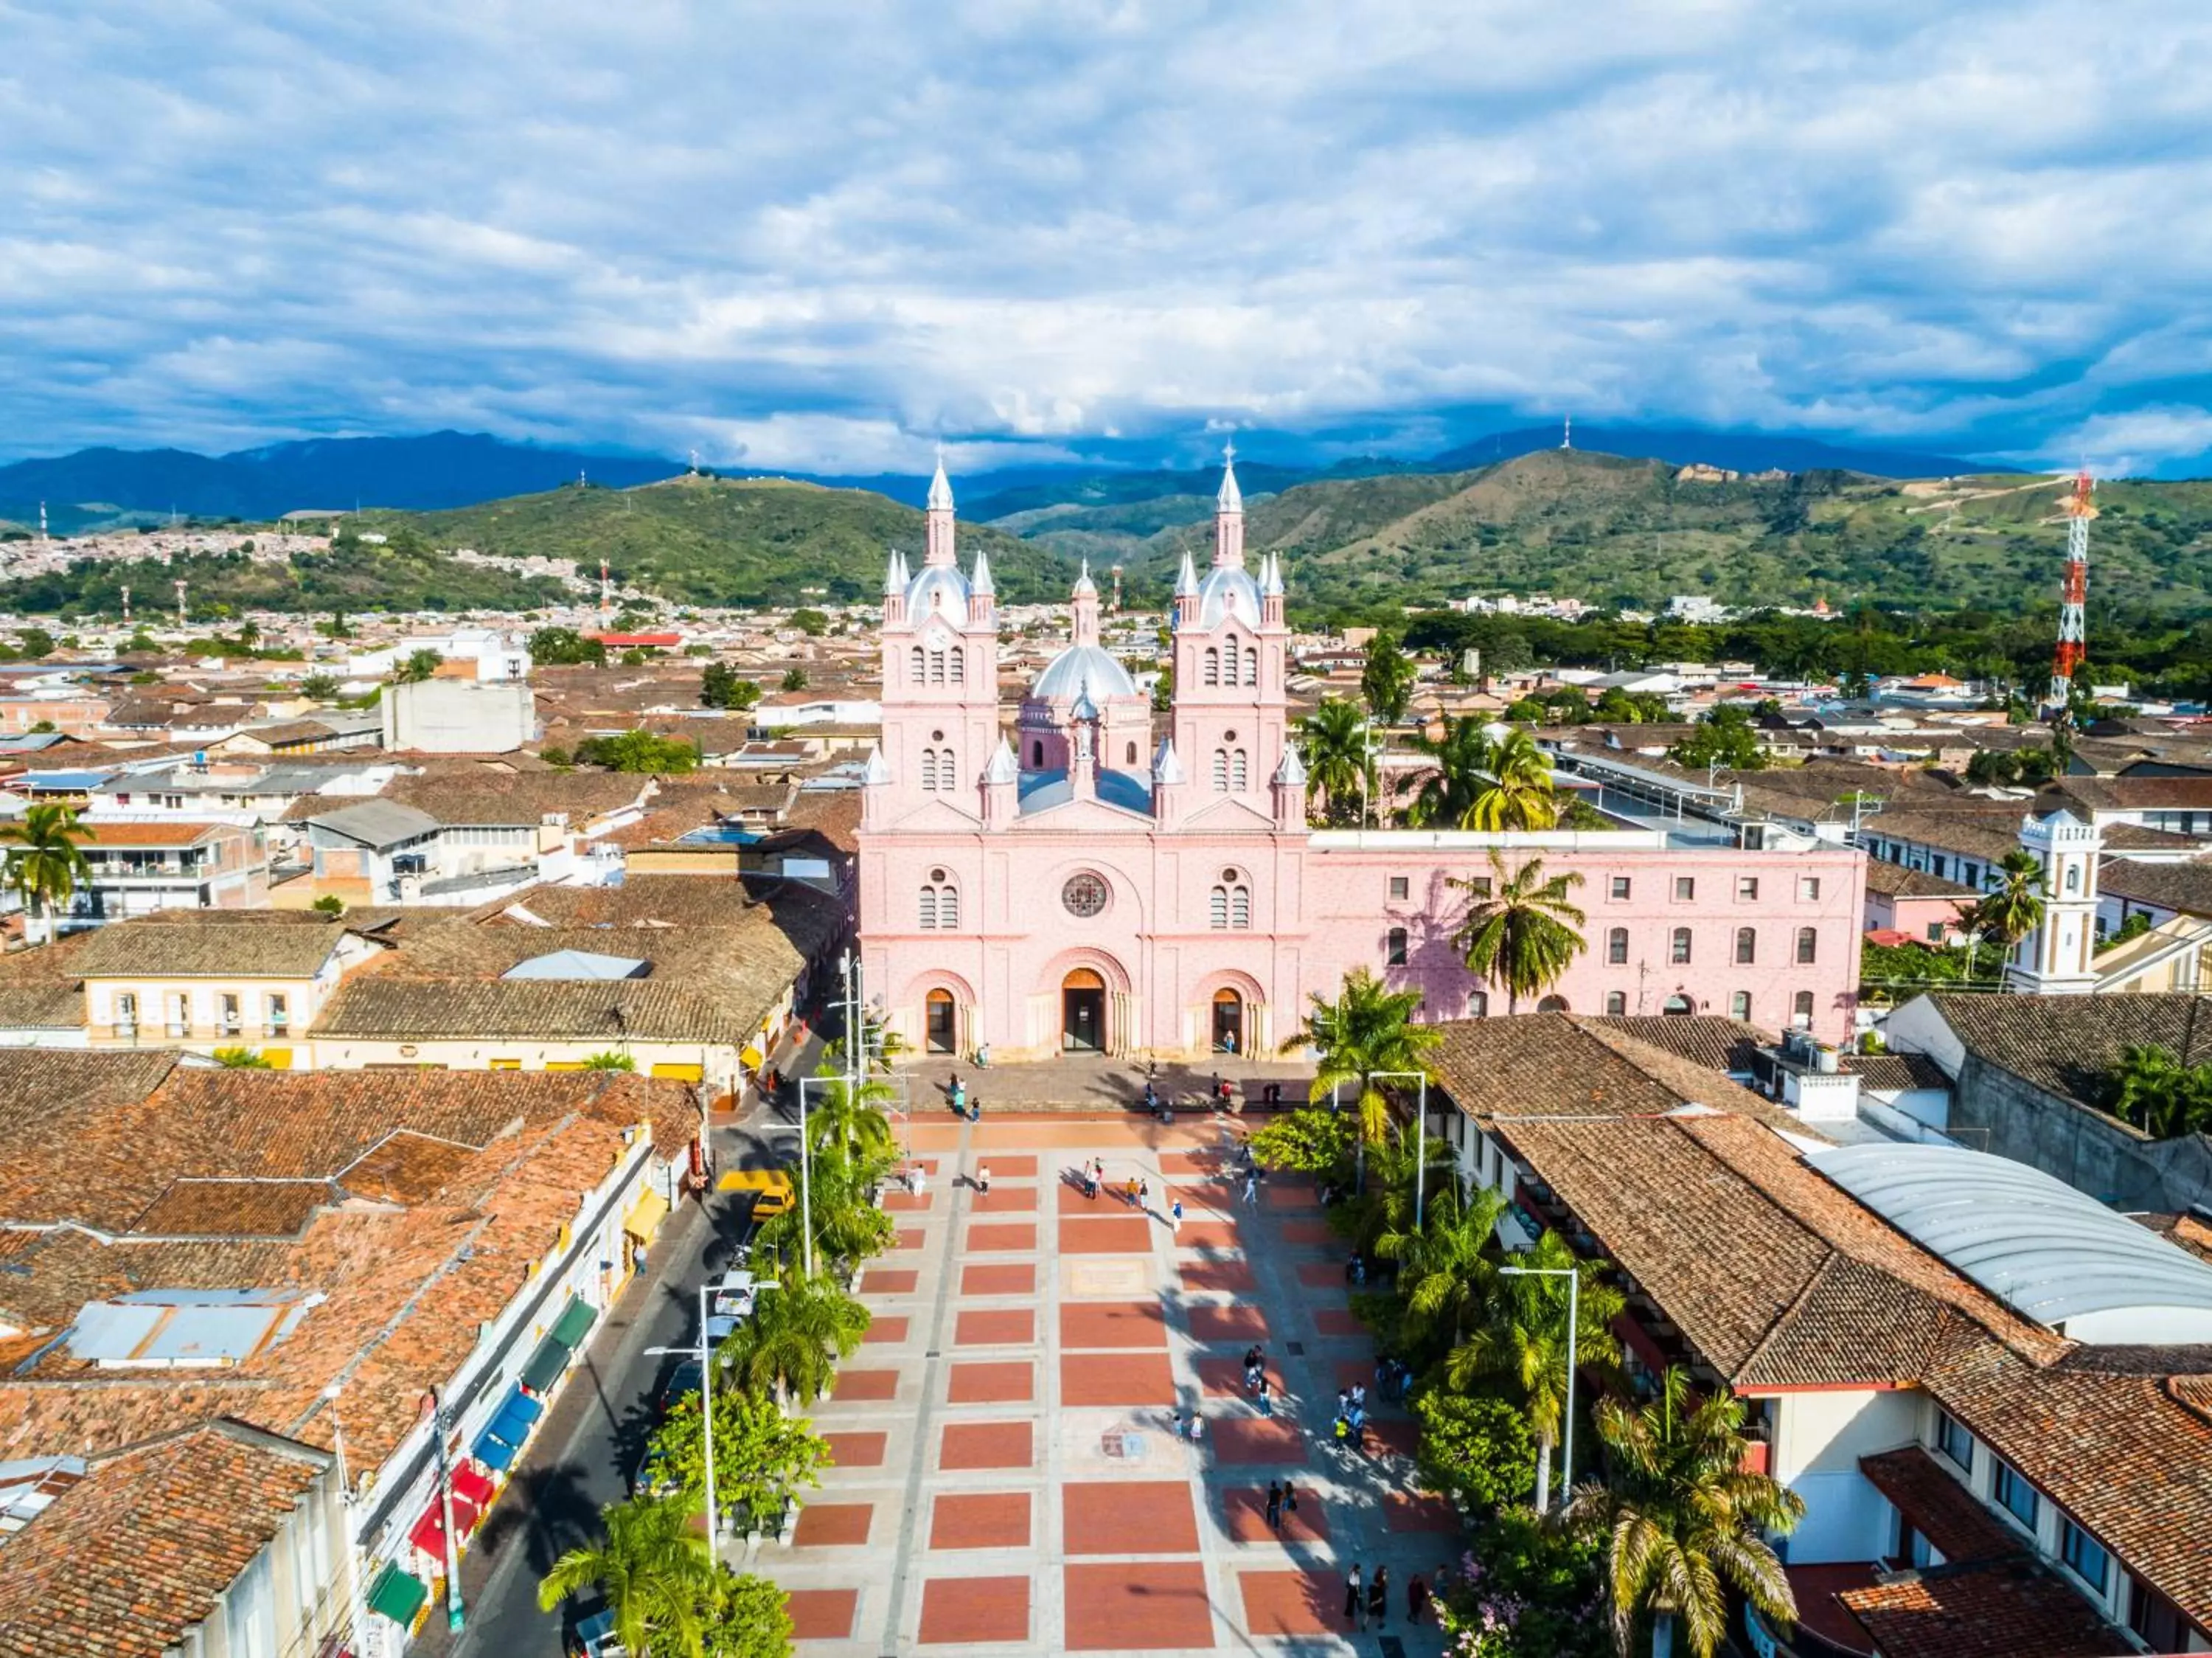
[(1334, 739), (790, 1347), (655, 1572), (1682, 1519), (1447, 793), (1520, 795), (45, 866), (1520, 932), (610, 1060), (239, 1059), (1447, 1270), (1367, 1029), (2015, 909), (850, 1123), (2165, 1098), (1524, 1342)]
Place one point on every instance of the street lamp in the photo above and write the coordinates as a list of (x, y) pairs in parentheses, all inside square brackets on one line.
[(355, 1611), (706, 1358), (1574, 1278), (805, 1171), (1421, 1131), (456, 1613)]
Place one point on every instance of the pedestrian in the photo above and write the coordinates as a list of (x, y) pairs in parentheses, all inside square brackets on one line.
[(1090, 1184), (1098, 1168), (1144, 1195), (1417, 1599), (1275, 1505), (1378, 1597), (1351, 1268), (1343, 1431), (1129, 1192), (1358, 1388), (1289, 1497), (1267, 1396), (1251, 1188), (958, 1094), (1344, 1401), (983, 1178), (1197, 1427), (1174, 1218), (1251, 1367), (1355, 1597), (917, 1179), (1359, 1436), (975, 1109)]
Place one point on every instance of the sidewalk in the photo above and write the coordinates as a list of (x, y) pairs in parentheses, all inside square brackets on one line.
[(1093, 1083)]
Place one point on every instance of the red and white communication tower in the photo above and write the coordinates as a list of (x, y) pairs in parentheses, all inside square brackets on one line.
[(2072, 628)]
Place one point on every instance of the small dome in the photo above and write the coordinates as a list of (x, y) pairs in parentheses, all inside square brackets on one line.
[(1082, 670), (1226, 592), (941, 587)]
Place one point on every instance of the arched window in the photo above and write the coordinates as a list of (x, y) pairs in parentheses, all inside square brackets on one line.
[(1251, 666), (929, 909), (1680, 955), (1747, 946), (1616, 1003), (959, 665), (1129, 755), (1394, 955), (936, 666), (1220, 771), (2073, 878), (1240, 907), (1678, 1006), (1740, 1006), (1478, 1005), (1217, 913), (920, 669), (929, 771), (1809, 945), (948, 907), (1800, 1013), (1237, 770), (1616, 946), (1554, 1004), (1036, 753), (1212, 666), (940, 902)]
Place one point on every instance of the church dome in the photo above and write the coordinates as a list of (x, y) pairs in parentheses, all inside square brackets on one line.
[(1080, 670), (1228, 592), (940, 588)]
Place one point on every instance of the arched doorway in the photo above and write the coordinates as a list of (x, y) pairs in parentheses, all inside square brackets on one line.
[(1553, 1004), (1228, 1022), (940, 1023), (1082, 1012), (1678, 1004)]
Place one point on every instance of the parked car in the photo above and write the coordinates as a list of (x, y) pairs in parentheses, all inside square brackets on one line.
[(683, 1381), (771, 1189), (595, 1638), (733, 1296)]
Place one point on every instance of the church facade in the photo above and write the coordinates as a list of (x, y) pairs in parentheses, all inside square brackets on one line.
[(1098, 878)]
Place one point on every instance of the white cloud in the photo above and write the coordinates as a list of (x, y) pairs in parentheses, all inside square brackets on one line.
[(830, 233)]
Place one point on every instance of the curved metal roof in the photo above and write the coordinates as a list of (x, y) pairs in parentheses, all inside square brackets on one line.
[(941, 588), (1080, 669), (2050, 1252), (1228, 591)]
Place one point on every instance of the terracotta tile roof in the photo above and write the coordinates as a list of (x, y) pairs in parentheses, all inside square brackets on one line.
[(2184, 887), (154, 834), (1896, 1072), (234, 1208), (1705, 1039), (1999, 1609), (133, 1554), (1557, 1065), (405, 1167), (2066, 1043), (148, 949), (1939, 1507), (1894, 880)]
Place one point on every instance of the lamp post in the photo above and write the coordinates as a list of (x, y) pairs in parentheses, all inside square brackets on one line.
[(805, 1174), (1574, 1278), (456, 1613), (1421, 1131), (355, 1611), (706, 1358)]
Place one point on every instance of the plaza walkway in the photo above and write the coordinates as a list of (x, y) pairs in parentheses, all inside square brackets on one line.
[(1007, 1475)]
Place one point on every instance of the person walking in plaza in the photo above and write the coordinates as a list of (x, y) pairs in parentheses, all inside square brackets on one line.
[(1274, 1505), (1267, 1395), (1251, 1187), (983, 1178), (1355, 1596), (1145, 1195), (1129, 1192), (1174, 1218), (957, 1095), (1378, 1597), (1252, 1366), (1417, 1599), (1289, 1497)]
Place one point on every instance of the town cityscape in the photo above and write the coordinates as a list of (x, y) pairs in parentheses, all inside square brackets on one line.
[(1099, 1016)]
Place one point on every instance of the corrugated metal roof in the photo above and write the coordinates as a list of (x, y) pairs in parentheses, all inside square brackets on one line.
[(186, 1327), (579, 964)]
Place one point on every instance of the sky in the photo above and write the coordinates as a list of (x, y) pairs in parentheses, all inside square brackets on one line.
[(831, 236)]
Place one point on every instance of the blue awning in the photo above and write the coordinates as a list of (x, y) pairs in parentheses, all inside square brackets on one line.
[(494, 1453), (514, 1417)]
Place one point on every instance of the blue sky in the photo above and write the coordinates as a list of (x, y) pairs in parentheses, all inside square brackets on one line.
[(825, 236)]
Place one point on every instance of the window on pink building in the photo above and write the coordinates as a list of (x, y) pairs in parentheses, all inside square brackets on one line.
[(1616, 946), (1740, 1006), (1616, 1003), (1802, 1011), (1212, 666), (1620, 886), (1809, 945), (1809, 888), (1686, 889), (1746, 888), (1396, 954), (1747, 946), (1401, 886), (1679, 953)]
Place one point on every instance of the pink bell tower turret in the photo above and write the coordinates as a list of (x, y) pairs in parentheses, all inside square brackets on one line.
[(940, 516), (1229, 515)]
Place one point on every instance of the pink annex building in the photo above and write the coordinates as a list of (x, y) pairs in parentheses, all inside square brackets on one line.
[(1100, 879)]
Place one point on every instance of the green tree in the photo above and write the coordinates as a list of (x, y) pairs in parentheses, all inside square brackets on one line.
[(1334, 740), (1387, 680), (319, 687), (46, 865), (2015, 909), (1474, 1448), (749, 1617), (1367, 1029), (1524, 1344), (1725, 737), (329, 904), (790, 1347), (1446, 1270), (1461, 758), (794, 679), (721, 685), (850, 1123), (419, 666), (563, 647), (239, 1059), (1522, 930), (1682, 1519), (336, 628), (34, 643), (640, 751), (1307, 1141), (762, 1456), (1520, 795), (810, 622), (609, 1060), (2149, 1087), (654, 1570)]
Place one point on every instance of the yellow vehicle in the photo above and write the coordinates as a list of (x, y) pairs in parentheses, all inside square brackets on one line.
[(771, 1189)]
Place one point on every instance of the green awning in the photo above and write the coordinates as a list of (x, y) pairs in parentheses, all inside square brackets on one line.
[(398, 1594), (575, 1320), (545, 1365)]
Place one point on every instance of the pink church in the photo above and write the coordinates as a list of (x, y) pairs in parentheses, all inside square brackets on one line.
[(1088, 883)]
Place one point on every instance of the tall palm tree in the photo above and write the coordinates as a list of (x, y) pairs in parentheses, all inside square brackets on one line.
[(1682, 1519), (655, 1572), (1524, 1342), (1367, 1029), (850, 1123), (1463, 756), (1521, 930), (2153, 1090), (1520, 795), (45, 866), (1334, 739), (790, 1347), (1447, 1269), (2015, 909)]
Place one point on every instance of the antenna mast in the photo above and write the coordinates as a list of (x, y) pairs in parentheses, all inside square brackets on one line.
[(126, 606), (2073, 627), (1567, 432)]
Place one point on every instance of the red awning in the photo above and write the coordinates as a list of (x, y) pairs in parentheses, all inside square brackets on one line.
[(429, 1533), (472, 1485)]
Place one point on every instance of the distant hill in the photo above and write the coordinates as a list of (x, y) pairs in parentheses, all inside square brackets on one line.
[(98, 487), (1743, 452)]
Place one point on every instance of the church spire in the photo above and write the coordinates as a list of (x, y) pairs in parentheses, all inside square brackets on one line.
[(1230, 499), (939, 519), (940, 487), (1229, 515)]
